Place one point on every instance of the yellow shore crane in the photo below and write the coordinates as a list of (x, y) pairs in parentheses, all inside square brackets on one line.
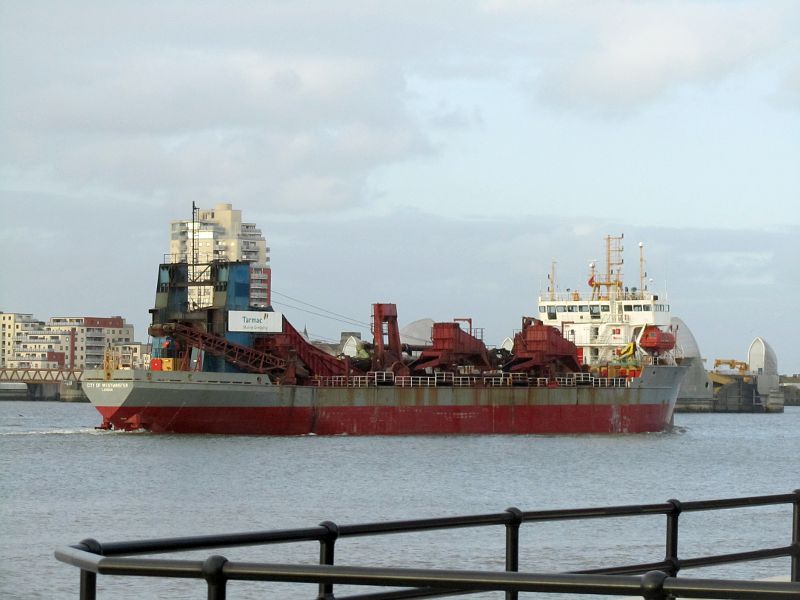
[(734, 365), (718, 378)]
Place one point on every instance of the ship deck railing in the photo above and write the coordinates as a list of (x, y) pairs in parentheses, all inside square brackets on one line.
[(609, 382), (655, 580), (380, 378), (641, 295)]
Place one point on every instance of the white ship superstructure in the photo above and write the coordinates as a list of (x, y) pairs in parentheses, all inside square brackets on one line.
[(612, 324)]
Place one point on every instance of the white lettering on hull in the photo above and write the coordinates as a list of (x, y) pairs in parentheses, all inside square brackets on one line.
[(106, 385)]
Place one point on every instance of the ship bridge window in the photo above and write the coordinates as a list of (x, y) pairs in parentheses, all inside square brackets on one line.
[(605, 307), (583, 308), (594, 309), (561, 308), (572, 308), (637, 308), (542, 308), (627, 308)]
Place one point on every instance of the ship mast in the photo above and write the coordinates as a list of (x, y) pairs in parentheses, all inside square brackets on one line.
[(195, 242), (552, 277), (611, 280), (642, 272), (200, 294)]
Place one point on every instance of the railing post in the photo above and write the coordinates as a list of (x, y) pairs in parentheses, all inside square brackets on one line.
[(326, 545), (212, 573), (512, 544), (88, 583), (671, 554), (796, 537)]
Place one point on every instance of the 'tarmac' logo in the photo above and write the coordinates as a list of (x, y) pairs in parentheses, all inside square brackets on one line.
[(254, 320)]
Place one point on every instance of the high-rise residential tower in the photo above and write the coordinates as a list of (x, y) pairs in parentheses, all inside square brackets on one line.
[(218, 234)]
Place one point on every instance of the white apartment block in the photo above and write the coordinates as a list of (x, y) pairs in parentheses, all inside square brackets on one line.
[(219, 234), (92, 336), (133, 356), (66, 342), (12, 325), (41, 350)]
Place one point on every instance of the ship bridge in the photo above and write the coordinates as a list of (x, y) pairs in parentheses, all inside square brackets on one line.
[(608, 322)]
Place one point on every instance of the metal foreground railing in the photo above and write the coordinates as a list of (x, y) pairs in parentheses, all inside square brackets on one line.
[(652, 581)]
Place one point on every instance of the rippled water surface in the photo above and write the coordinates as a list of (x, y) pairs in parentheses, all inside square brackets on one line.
[(62, 481)]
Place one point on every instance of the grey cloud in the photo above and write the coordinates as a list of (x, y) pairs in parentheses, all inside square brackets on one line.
[(266, 100), (788, 94), (125, 113), (453, 118), (169, 116), (491, 269), (624, 56)]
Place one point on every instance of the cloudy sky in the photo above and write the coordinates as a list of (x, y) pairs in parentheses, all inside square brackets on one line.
[(438, 155)]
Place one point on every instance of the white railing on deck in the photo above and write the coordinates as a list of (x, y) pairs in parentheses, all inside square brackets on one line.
[(415, 381), (361, 381), (444, 378), (379, 377), (386, 378), (609, 382)]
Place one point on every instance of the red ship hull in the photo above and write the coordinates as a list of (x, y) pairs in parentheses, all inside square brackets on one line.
[(181, 402), (394, 420)]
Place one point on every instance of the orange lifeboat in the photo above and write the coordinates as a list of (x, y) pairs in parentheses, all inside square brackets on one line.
[(654, 340)]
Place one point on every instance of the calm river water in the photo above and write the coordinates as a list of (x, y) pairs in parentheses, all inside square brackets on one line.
[(62, 481)]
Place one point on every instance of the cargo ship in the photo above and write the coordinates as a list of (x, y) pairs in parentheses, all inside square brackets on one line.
[(220, 367)]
